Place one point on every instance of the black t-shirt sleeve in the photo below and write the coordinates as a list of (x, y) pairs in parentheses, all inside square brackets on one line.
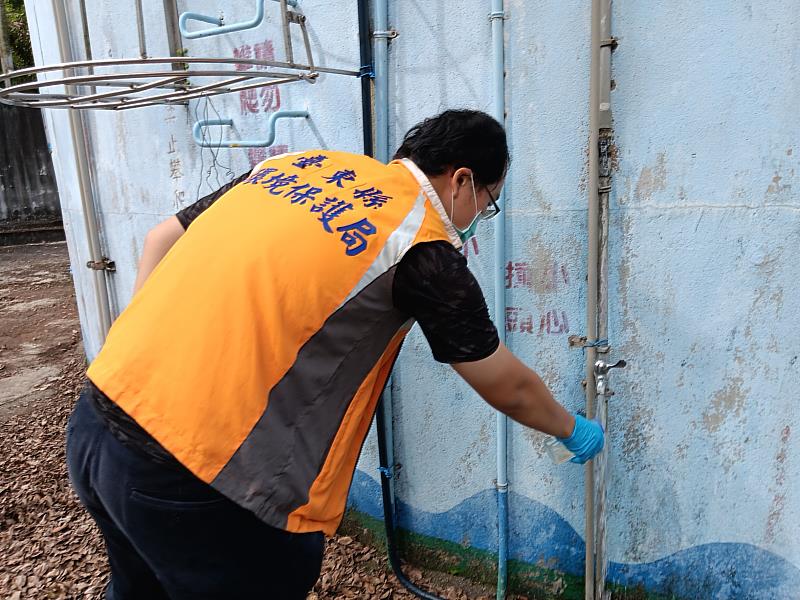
[(191, 212), (433, 285)]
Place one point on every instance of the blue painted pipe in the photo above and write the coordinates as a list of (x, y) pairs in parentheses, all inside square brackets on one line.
[(221, 29), (497, 17), (382, 83), (197, 132), (383, 417)]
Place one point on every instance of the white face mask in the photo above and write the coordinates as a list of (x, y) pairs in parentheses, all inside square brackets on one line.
[(469, 232)]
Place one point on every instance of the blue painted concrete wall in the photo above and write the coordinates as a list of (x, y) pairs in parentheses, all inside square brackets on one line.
[(704, 490)]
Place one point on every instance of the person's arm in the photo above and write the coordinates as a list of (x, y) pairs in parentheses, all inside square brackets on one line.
[(514, 389), (157, 243), (163, 236), (434, 285)]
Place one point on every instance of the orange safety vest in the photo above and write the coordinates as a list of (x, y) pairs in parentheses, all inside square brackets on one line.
[(257, 349)]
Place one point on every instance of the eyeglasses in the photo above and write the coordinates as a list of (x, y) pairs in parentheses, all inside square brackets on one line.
[(492, 210)]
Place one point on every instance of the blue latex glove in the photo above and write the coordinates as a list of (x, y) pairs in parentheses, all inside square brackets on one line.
[(586, 440)]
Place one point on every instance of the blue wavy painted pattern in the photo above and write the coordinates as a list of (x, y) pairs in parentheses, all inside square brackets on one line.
[(718, 571)]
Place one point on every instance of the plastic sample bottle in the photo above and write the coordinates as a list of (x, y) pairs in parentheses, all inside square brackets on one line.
[(557, 451)]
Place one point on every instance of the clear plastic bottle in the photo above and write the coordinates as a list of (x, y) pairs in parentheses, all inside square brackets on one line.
[(557, 451)]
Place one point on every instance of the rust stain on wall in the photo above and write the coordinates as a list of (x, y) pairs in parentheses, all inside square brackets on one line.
[(638, 432), (549, 265), (652, 179), (725, 402), (779, 495)]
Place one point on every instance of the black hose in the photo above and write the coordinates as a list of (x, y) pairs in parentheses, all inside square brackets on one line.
[(367, 73), (388, 506)]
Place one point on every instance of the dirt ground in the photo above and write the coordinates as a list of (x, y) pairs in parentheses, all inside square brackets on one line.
[(49, 547), (39, 331)]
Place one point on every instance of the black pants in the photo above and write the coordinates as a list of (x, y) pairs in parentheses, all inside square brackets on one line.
[(170, 535)]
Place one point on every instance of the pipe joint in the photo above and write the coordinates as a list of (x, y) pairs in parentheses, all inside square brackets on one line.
[(390, 472), (497, 14), (388, 34), (610, 42)]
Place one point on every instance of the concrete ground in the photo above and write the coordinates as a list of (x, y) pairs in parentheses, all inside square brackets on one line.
[(49, 547)]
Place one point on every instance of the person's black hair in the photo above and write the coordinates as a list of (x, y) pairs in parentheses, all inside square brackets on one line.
[(455, 139)]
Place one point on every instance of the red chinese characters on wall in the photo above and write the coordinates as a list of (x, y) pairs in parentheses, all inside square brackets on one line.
[(258, 155), (521, 275), (261, 99), (520, 320), (551, 278), (470, 247), (541, 280)]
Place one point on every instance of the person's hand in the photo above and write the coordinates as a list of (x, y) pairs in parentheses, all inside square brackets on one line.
[(586, 441)]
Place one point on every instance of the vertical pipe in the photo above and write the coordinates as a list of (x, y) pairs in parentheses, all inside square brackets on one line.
[(593, 272), (591, 289), (600, 462), (287, 34), (381, 58), (604, 132), (84, 179), (383, 417), (367, 73), (381, 81), (87, 42), (174, 42), (140, 29), (497, 17)]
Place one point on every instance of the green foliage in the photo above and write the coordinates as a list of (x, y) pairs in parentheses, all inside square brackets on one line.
[(18, 36)]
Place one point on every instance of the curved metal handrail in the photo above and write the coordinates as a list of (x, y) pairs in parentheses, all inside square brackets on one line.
[(132, 83), (222, 29), (200, 140)]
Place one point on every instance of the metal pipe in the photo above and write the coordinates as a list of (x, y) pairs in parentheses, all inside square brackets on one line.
[(140, 29), (383, 416), (120, 102), (599, 463), (367, 73), (287, 34), (301, 20), (381, 58), (174, 43), (88, 205), (119, 62), (222, 29), (118, 79), (497, 18), (120, 99), (87, 42), (381, 80), (597, 269), (604, 132), (200, 140), (192, 93)]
